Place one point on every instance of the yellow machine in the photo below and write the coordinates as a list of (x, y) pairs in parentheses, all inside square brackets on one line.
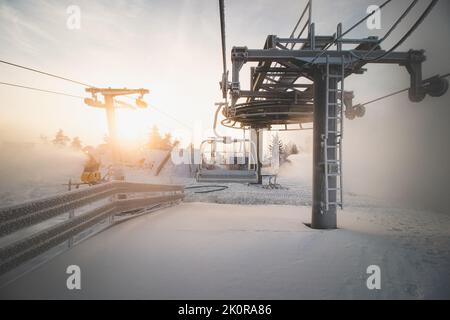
[(91, 177), (91, 174)]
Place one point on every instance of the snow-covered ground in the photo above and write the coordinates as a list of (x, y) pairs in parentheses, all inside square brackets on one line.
[(252, 242), (205, 250)]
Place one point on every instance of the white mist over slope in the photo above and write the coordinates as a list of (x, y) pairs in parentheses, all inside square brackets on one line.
[(299, 168), (29, 171), (399, 150)]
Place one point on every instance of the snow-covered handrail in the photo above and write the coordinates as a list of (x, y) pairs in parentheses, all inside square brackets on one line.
[(27, 214), (124, 197)]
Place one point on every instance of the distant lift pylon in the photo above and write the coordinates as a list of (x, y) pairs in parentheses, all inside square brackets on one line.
[(109, 104)]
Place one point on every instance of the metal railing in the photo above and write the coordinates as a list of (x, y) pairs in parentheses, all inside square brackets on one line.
[(96, 203), (306, 26)]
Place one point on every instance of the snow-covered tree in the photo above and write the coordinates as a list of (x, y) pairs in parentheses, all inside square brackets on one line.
[(155, 140), (291, 148), (76, 143), (43, 138), (166, 142), (60, 139), (278, 143)]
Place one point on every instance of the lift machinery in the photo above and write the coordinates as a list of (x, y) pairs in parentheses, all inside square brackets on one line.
[(299, 80)]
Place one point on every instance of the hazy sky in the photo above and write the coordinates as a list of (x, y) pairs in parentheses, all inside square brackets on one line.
[(169, 47), (173, 49)]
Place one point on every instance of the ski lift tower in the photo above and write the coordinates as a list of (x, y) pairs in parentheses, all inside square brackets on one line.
[(109, 104), (299, 80)]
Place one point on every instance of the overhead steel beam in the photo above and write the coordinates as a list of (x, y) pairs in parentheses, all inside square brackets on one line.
[(274, 55), (346, 41)]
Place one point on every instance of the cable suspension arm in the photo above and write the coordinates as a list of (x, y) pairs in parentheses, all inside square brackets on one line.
[(399, 91)]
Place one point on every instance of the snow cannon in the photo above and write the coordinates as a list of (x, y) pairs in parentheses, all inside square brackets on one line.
[(91, 178)]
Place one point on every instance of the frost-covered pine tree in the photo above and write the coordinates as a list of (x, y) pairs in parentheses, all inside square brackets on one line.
[(60, 139), (278, 143), (76, 143)]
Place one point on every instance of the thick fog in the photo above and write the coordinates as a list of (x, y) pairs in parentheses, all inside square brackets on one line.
[(400, 150), (29, 171)]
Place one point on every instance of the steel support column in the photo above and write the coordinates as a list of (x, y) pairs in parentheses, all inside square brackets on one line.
[(117, 172), (258, 154), (321, 217)]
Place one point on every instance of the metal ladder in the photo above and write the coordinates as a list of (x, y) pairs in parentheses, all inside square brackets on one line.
[(334, 114)]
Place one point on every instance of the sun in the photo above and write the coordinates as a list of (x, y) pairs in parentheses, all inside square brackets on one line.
[(131, 126)]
